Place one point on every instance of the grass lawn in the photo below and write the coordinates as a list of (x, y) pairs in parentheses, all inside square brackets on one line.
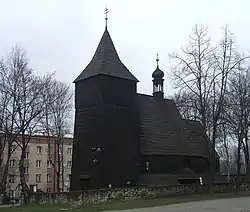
[(119, 205)]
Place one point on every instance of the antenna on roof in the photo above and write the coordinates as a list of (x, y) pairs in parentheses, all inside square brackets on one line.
[(106, 16)]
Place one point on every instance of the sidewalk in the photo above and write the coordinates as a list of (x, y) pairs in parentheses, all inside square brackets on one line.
[(11, 205)]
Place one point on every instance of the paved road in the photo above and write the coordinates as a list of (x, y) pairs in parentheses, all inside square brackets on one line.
[(222, 205)]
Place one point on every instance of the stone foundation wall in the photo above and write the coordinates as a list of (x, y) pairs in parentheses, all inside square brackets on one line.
[(124, 194)]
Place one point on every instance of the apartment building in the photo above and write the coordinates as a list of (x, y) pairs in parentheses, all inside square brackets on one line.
[(41, 165)]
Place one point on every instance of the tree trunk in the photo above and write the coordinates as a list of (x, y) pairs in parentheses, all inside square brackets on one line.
[(212, 159), (5, 170), (247, 157), (228, 169), (58, 166), (62, 174), (25, 189), (238, 163)]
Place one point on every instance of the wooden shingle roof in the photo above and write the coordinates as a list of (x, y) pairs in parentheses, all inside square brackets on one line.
[(106, 62), (164, 132)]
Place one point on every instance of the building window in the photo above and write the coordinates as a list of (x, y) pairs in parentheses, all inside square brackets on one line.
[(95, 161), (12, 178), (38, 163), (12, 163), (68, 189), (26, 155), (96, 149), (26, 178), (147, 166), (49, 164), (68, 177), (13, 148), (69, 151), (38, 178), (39, 149), (49, 178), (69, 164), (26, 170), (12, 193), (157, 88), (33, 188), (48, 190), (50, 150)]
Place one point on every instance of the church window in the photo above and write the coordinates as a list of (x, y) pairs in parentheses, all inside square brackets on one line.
[(147, 165), (96, 149), (95, 161), (157, 88)]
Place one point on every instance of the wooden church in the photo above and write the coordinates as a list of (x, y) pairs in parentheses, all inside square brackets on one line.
[(123, 138)]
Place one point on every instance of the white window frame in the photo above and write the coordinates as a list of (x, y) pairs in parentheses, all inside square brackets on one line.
[(69, 163), (26, 155), (69, 151), (38, 163), (39, 150), (49, 163), (26, 170), (12, 163), (49, 178), (38, 178)]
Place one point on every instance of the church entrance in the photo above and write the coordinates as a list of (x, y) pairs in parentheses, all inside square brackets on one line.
[(85, 182)]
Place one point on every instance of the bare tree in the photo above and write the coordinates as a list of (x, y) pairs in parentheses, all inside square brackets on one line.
[(5, 143), (57, 123), (192, 72), (224, 148), (237, 113), (186, 104), (7, 119), (202, 72), (27, 104)]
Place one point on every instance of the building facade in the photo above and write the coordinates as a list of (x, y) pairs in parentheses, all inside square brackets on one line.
[(41, 165)]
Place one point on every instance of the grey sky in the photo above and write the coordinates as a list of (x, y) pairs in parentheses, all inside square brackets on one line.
[(62, 35)]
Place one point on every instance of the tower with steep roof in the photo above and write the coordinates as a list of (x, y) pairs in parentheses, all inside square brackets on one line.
[(106, 132)]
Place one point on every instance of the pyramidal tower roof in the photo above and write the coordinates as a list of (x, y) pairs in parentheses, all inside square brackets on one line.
[(106, 62)]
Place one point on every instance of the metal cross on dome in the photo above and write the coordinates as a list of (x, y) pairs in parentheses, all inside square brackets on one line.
[(157, 59)]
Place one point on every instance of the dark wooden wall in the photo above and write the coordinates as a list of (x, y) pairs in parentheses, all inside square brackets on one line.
[(106, 117), (174, 163)]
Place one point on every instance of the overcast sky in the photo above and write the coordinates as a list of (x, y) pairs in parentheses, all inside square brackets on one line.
[(62, 35)]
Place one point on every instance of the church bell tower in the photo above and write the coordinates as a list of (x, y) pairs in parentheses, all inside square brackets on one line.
[(158, 80), (106, 131)]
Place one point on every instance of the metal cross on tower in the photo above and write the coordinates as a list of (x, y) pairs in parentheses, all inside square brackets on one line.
[(106, 16), (157, 59)]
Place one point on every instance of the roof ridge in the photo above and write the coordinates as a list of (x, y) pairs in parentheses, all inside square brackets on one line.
[(148, 95)]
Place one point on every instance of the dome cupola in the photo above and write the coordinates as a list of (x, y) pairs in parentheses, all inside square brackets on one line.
[(158, 75)]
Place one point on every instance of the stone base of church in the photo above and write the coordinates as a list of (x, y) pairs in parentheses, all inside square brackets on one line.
[(172, 179)]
